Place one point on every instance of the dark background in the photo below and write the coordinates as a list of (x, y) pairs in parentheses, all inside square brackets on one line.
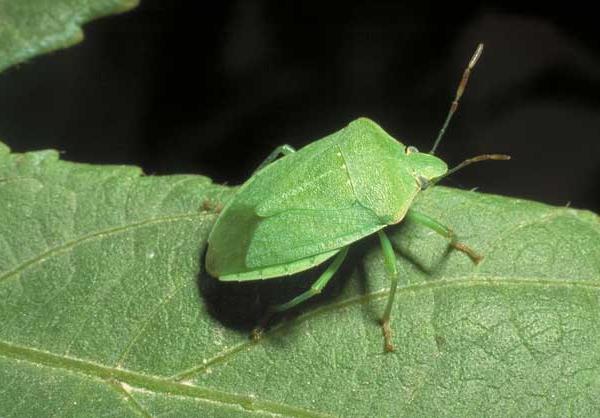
[(181, 87)]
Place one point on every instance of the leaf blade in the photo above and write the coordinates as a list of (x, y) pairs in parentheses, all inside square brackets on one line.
[(100, 293)]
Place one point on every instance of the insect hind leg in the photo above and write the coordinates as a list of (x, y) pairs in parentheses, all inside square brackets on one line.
[(314, 290), (317, 286), (390, 266)]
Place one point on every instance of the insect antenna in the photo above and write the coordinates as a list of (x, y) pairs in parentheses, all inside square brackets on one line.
[(469, 161), (459, 92)]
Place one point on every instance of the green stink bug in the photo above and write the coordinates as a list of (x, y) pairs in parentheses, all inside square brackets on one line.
[(300, 210)]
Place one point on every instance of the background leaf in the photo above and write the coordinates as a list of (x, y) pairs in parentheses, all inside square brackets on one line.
[(33, 27), (105, 309)]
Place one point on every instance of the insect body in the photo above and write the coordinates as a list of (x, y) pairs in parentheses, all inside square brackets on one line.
[(305, 207), (302, 209)]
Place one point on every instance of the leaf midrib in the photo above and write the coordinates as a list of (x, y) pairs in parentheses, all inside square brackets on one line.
[(154, 384)]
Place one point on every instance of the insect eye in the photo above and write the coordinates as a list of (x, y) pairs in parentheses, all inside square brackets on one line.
[(410, 150)]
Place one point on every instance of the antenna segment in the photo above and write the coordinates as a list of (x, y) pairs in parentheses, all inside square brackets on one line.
[(459, 92)]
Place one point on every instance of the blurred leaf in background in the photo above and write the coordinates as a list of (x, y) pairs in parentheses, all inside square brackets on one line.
[(33, 27)]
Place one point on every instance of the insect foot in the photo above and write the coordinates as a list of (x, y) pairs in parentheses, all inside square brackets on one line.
[(212, 206), (387, 336), (468, 251), (259, 330), (256, 334)]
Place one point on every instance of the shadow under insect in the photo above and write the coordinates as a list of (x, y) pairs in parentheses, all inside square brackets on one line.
[(245, 305)]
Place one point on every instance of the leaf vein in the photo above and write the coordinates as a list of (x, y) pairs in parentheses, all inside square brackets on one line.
[(230, 353), (90, 237), (131, 401), (144, 323)]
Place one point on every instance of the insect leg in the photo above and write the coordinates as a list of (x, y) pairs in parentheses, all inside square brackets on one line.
[(317, 286), (431, 223), (280, 150), (390, 266)]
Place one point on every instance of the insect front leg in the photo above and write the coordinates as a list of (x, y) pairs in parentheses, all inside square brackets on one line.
[(280, 150), (390, 266), (444, 231)]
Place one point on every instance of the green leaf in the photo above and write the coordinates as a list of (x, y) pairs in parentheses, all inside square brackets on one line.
[(33, 27), (105, 309)]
